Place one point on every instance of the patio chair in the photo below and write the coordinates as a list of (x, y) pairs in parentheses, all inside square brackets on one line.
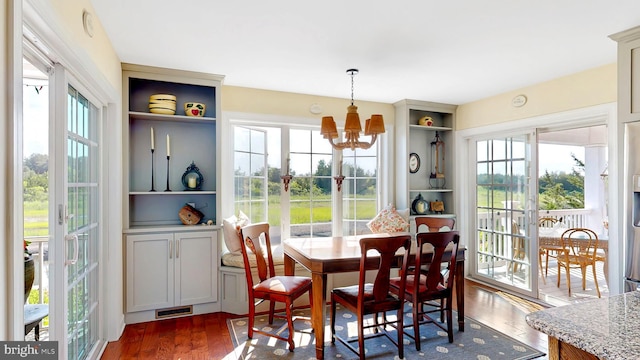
[(580, 249)]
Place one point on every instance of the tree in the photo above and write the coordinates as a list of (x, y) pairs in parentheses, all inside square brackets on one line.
[(561, 190), (39, 163)]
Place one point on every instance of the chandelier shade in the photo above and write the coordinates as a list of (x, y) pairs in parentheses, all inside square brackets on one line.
[(352, 126)]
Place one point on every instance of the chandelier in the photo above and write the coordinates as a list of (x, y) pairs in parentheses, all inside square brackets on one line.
[(352, 127)]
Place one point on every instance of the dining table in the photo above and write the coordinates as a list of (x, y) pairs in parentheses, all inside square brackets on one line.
[(553, 236), (340, 254)]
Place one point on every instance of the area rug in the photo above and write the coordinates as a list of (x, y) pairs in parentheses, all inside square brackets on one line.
[(478, 341)]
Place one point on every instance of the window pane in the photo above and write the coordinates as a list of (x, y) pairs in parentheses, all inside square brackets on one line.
[(300, 141), (257, 142), (300, 212), (241, 139), (320, 144), (301, 164), (257, 165), (242, 164)]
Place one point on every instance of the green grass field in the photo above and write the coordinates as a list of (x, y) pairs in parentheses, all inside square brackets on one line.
[(36, 218)]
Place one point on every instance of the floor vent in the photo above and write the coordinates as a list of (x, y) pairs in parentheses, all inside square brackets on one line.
[(176, 311)]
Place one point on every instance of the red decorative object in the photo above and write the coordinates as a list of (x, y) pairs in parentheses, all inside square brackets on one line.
[(339, 181), (286, 179)]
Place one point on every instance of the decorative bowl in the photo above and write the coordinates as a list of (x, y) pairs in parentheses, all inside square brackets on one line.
[(162, 104), (425, 121), (194, 109)]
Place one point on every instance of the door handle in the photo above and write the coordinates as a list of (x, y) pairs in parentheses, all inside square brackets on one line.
[(177, 249), (74, 259)]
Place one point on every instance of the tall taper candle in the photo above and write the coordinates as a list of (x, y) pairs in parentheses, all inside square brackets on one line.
[(288, 164), (168, 146), (153, 143)]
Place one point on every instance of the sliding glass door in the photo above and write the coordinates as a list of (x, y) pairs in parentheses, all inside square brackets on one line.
[(504, 202), (75, 224)]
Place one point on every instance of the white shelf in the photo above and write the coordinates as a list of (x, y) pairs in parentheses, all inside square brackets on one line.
[(413, 216), (431, 190), (430, 128), (169, 228), (160, 117), (162, 192)]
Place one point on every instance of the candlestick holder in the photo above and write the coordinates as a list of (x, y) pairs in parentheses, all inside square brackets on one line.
[(167, 189), (286, 179), (338, 180), (152, 179)]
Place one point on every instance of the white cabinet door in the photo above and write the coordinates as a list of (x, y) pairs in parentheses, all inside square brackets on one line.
[(196, 268), (150, 271)]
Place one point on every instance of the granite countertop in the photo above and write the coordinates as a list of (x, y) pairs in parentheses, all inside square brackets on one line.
[(608, 328)]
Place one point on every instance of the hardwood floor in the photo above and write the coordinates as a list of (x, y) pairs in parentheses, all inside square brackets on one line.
[(207, 337)]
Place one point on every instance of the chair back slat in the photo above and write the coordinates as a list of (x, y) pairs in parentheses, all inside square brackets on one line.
[(434, 224), (547, 222), (587, 245), (440, 242), (386, 247), (252, 236)]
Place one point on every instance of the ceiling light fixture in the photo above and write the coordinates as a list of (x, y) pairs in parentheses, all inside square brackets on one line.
[(352, 127)]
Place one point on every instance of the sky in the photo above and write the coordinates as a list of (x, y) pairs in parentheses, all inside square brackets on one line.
[(557, 158), (36, 123)]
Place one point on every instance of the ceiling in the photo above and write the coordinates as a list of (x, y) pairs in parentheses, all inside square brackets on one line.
[(454, 51)]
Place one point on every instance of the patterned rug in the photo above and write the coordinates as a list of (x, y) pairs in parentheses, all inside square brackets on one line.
[(478, 341)]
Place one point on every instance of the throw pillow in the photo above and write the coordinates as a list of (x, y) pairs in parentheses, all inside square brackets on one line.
[(388, 221), (231, 228), (231, 236)]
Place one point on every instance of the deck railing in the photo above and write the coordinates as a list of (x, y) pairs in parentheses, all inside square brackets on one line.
[(499, 231)]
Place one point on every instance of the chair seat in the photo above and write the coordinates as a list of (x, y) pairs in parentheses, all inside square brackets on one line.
[(350, 295), (599, 256), (422, 286), (286, 285)]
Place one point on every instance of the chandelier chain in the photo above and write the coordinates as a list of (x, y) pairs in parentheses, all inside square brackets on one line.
[(352, 88)]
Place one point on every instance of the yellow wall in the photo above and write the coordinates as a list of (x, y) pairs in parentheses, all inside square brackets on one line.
[(587, 88), (97, 48), (249, 100)]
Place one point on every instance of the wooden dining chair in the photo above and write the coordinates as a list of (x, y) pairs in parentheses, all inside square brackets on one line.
[(271, 288), (434, 289), (374, 298), (434, 224), (547, 250), (579, 254), (519, 246)]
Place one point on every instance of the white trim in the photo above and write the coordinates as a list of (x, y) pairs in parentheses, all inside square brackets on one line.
[(13, 167), (593, 115), (40, 18)]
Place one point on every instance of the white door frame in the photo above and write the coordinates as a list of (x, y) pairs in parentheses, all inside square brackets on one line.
[(40, 18), (594, 115)]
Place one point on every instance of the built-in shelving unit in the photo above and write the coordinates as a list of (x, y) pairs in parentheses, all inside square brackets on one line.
[(415, 138), (171, 268)]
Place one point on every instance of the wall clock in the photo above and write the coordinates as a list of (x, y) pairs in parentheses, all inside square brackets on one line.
[(414, 163)]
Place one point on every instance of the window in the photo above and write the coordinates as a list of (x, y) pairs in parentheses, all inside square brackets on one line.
[(262, 154), (311, 187), (359, 190), (250, 173)]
